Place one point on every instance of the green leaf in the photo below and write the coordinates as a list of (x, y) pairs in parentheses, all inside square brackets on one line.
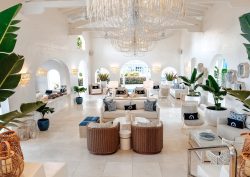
[(185, 79), (6, 17), (213, 83), (193, 76), (246, 36), (11, 82), (245, 27), (30, 107), (199, 76), (240, 94), (14, 22), (4, 94), (8, 45)]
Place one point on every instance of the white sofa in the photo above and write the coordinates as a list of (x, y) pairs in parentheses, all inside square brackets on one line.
[(120, 110), (228, 132), (176, 93)]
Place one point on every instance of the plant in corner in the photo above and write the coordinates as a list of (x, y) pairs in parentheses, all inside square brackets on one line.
[(170, 76), (103, 77), (43, 123), (79, 90), (191, 83), (11, 64), (245, 28)]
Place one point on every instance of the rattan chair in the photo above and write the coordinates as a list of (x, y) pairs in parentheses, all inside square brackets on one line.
[(147, 140), (103, 141)]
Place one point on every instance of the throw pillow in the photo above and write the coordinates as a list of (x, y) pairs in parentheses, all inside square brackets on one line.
[(106, 103), (140, 92), (95, 87), (235, 123), (150, 105), (156, 87), (100, 125), (236, 116), (130, 107), (191, 116), (111, 106), (247, 123), (120, 92)]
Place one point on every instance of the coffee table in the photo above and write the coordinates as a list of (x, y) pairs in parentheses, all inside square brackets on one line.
[(195, 141)]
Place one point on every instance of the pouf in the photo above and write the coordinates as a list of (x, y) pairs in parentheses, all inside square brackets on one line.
[(84, 123), (125, 136)]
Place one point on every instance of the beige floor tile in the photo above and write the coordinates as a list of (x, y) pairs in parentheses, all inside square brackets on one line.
[(118, 169)]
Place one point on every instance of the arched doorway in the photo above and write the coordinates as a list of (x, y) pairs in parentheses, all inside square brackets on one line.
[(134, 73), (54, 79), (218, 69), (167, 70), (83, 74)]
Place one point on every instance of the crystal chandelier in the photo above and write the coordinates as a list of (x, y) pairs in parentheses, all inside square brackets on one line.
[(135, 24)]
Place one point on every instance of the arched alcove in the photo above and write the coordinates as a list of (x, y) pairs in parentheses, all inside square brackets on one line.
[(49, 74), (100, 71), (134, 72), (167, 70)]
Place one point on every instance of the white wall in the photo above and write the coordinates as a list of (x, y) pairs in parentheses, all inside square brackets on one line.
[(165, 52), (221, 36), (43, 37)]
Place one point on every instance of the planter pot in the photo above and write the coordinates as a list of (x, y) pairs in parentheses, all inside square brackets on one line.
[(193, 98), (212, 115), (104, 84), (79, 100), (169, 83), (43, 124)]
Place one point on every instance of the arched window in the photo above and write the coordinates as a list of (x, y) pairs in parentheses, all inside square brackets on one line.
[(167, 70), (54, 80), (81, 43), (100, 71)]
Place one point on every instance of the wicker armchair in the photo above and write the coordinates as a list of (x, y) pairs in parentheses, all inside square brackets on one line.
[(103, 141), (147, 140)]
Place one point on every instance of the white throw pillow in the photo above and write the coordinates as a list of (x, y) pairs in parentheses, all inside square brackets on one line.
[(248, 122)]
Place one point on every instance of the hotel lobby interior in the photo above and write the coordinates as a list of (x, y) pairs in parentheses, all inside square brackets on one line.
[(124, 88)]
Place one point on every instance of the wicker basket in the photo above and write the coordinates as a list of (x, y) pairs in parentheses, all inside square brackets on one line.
[(11, 164), (13, 140)]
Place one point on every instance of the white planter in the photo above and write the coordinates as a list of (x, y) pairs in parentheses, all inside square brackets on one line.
[(193, 98), (211, 116), (169, 83), (104, 84)]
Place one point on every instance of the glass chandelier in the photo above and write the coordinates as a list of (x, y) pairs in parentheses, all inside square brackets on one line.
[(135, 24)]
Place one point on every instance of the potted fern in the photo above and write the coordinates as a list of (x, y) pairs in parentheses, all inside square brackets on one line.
[(104, 79), (216, 111), (79, 90), (192, 84), (43, 123)]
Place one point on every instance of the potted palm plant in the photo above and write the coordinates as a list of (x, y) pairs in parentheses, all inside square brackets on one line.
[(104, 79), (170, 77), (43, 123), (192, 84), (79, 90), (216, 111)]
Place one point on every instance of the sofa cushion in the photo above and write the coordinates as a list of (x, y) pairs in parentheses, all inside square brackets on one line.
[(146, 114), (237, 116), (139, 104), (110, 105), (150, 105), (230, 133), (120, 104), (95, 86), (114, 114)]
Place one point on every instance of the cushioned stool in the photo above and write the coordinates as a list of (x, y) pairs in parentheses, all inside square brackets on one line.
[(84, 123)]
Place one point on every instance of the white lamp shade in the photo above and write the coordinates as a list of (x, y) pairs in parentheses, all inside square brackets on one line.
[(113, 84), (148, 84)]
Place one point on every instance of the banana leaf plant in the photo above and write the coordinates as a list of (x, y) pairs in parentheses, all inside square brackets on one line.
[(11, 64), (245, 28), (191, 83), (243, 96), (218, 93)]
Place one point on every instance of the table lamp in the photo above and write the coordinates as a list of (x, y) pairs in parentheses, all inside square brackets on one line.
[(113, 85), (148, 85)]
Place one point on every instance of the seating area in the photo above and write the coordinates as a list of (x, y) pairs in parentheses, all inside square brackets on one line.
[(131, 88)]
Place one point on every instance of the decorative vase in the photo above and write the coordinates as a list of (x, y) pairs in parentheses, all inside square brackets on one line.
[(104, 84), (43, 124), (79, 100), (212, 115), (193, 98)]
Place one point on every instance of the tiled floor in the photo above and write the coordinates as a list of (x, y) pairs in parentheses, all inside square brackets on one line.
[(62, 144)]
